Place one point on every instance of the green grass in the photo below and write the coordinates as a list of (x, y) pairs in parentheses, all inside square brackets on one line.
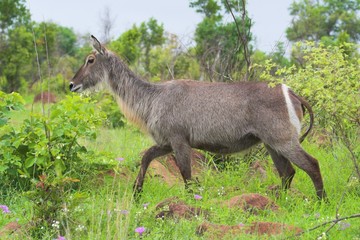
[(101, 213), (298, 207)]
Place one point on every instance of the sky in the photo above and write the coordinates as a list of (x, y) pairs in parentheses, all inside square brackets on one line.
[(271, 18)]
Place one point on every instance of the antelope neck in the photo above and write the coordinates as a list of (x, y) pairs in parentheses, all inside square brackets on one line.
[(135, 96)]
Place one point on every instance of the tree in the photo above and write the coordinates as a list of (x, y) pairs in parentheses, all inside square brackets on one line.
[(128, 45), (53, 43), (218, 42), (13, 13), (15, 58), (66, 41), (152, 34), (140, 41), (14, 42), (314, 20)]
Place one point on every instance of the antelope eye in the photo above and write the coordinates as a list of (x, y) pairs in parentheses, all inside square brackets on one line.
[(91, 60)]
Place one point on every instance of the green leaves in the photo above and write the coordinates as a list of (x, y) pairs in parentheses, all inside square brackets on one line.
[(314, 20), (328, 80), (46, 144), (218, 46)]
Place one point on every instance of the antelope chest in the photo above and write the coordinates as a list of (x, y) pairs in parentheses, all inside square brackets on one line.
[(132, 116)]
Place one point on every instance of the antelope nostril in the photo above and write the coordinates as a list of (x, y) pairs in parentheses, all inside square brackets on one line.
[(71, 85)]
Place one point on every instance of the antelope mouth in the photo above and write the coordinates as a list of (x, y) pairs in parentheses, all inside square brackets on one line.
[(75, 88)]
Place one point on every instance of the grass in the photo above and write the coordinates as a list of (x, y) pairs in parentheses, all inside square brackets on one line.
[(298, 207), (107, 210)]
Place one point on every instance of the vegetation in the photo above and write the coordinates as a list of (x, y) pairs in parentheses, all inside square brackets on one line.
[(67, 169)]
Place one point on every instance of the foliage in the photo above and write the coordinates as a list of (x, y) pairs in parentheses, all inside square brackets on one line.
[(109, 107), (15, 58), (314, 20), (218, 46), (173, 61), (13, 13), (329, 80), (127, 45), (44, 157), (56, 84), (152, 34), (40, 145), (135, 44), (8, 103), (25, 45)]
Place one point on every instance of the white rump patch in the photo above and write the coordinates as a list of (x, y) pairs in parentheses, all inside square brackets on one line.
[(291, 110)]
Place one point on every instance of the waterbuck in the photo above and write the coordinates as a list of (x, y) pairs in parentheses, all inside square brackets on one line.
[(217, 117)]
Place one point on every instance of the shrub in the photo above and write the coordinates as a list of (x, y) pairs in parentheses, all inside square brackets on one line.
[(45, 158), (114, 118), (329, 80)]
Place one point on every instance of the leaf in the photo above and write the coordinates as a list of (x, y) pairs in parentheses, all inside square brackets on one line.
[(68, 179), (29, 162), (59, 167), (3, 168), (3, 121)]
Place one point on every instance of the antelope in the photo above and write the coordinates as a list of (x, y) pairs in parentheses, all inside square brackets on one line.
[(221, 118)]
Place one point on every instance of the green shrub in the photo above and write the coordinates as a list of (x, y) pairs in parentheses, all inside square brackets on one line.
[(46, 144), (44, 157), (329, 80), (109, 107), (57, 84)]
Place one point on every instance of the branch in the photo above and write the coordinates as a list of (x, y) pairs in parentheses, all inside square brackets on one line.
[(334, 222), (242, 37)]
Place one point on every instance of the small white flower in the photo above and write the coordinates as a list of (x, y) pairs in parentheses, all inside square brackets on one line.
[(80, 228)]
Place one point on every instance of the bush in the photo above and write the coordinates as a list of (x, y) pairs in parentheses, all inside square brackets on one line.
[(329, 80), (109, 107), (47, 143), (44, 158)]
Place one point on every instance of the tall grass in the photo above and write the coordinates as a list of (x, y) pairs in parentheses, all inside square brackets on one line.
[(108, 211), (298, 207)]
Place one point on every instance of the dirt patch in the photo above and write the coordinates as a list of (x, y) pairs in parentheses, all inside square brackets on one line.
[(166, 169), (258, 167), (216, 231), (252, 202), (271, 228), (10, 229), (45, 97), (175, 208)]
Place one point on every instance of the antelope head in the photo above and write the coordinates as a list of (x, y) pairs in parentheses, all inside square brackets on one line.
[(92, 72)]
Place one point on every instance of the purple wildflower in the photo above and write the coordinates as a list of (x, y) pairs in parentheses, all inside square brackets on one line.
[(125, 212), (5, 208), (120, 159), (61, 238), (140, 230), (145, 205), (344, 225), (197, 197)]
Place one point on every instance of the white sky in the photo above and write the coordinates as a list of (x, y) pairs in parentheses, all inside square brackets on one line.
[(270, 18)]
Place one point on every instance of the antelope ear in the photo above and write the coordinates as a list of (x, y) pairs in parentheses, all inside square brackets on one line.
[(97, 45)]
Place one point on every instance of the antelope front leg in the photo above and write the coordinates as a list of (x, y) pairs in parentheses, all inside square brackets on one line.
[(182, 152), (150, 154)]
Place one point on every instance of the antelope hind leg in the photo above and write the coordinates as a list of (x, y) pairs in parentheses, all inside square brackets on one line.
[(150, 154), (283, 166), (297, 155)]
